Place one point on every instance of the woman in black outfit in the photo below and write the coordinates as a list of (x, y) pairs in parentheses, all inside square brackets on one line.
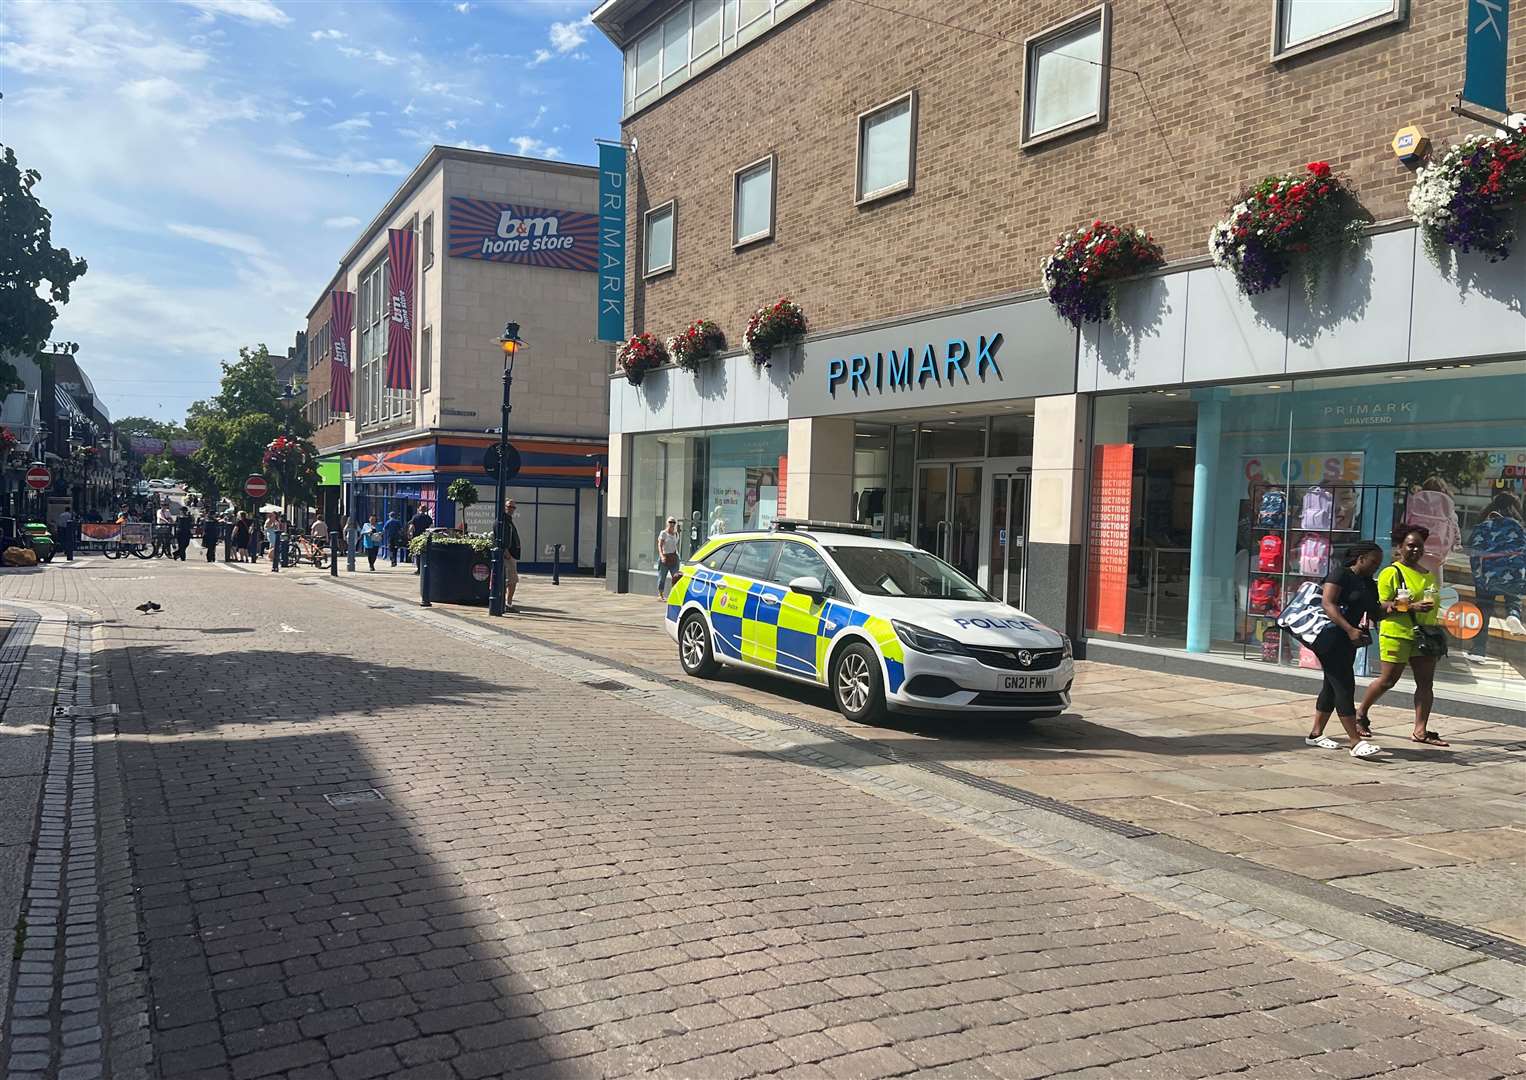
[(1350, 595)]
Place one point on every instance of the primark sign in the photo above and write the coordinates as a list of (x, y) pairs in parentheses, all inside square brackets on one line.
[(1013, 350)]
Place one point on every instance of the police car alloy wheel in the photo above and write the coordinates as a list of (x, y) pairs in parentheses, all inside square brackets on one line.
[(856, 684), (694, 651)]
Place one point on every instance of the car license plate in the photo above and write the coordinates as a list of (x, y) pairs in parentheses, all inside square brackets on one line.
[(1025, 682)]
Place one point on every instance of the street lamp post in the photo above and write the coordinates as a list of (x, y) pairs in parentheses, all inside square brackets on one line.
[(510, 344)]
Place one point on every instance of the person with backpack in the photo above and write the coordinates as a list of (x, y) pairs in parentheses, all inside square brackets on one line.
[(1497, 557), (1349, 597), (1408, 635)]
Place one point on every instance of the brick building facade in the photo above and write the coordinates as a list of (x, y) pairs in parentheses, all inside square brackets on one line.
[(901, 171)]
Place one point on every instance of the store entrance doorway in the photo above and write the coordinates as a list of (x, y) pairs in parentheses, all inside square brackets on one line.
[(948, 513), (1009, 537)]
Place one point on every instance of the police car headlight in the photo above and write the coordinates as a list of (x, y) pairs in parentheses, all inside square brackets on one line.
[(925, 640), (1067, 650)]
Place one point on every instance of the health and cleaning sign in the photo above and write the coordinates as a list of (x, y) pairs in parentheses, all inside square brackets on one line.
[(528, 235)]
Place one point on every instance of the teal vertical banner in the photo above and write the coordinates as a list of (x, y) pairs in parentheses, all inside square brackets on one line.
[(1488, 35), (612, 192)]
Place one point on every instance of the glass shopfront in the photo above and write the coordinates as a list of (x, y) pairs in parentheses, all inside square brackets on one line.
[(1209, 506)]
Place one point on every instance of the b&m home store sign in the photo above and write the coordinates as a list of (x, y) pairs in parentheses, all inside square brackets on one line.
[(528, 235)]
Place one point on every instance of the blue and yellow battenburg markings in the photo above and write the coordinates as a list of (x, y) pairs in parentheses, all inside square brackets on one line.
[(771, 627)]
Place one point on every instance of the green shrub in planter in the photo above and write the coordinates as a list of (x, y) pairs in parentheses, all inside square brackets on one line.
[(458, 566)]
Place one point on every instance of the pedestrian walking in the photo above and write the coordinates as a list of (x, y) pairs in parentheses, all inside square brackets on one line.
[(667, 556), (392, 536), (255, 536), (1408, 635), (319, 532), (420, 525), (370, 540), (1349, 599), (351, 541), (183, 530), (273, 540), (68, 529), (1497, 558), (209, 536), (240, 536), (511, 554), (227, 534)]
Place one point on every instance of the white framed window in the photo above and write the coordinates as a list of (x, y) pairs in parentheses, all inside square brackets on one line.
[(1301, 25), (752, 202), (371, 342), (887, 148), (1065, 76), (688, 37), (427, 241), (426, 356), (659, 238)]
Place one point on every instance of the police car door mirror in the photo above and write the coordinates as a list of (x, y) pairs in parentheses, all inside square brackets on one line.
[(810, 586)]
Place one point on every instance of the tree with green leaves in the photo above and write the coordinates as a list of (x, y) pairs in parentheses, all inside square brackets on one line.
[(34, 275), (463, 493)]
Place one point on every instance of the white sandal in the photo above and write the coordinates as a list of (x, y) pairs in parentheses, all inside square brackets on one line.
[(1365, 749), (1324, 742)]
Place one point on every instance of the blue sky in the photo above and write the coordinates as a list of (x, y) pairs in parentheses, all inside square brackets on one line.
[(212, 159)]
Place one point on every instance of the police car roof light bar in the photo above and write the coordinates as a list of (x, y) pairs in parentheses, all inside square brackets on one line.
[(802, 524)]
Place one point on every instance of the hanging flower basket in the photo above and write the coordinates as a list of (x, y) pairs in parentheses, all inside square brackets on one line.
[(281, 452), (1083, 272), (639, 355), (1307, 219), (772, 326), (1466, 200), (702, 340), (8, 441)]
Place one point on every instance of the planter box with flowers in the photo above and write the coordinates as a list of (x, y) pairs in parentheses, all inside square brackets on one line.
[(1292, 221), (702, 340), (771, 326), (639, 355), (1082, 274), (1467, 199)]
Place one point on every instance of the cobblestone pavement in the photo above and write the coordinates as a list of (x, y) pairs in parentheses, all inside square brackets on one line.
[(364, 846), (1220, 765)]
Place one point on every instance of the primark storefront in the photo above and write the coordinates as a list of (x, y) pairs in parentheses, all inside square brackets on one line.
[(1153, 485)]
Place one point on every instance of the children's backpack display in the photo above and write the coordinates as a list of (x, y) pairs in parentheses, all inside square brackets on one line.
[(1318, 508), (1263, 595), (1273, 510), (1271, 644), (1269, 554), (1497, 555), (1314, 556), (1436, 511)]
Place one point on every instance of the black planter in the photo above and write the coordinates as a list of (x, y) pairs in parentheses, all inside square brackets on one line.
[(458, 574)]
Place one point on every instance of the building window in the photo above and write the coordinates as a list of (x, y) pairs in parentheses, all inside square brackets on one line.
[(660, 226), (426, 356), (887, 148), (1065, 85), (752, 202), (692, 36), (427, 241), (372, 342), (1308, 24)]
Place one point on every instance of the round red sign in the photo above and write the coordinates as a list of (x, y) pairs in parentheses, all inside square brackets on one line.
[(38, 478), (479, 571), (256, 487)]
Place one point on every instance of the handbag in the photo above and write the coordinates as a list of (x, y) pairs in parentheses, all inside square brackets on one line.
[(1304, 617)]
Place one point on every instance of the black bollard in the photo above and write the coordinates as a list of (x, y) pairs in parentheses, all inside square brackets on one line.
[(556, 564), (424, 569)]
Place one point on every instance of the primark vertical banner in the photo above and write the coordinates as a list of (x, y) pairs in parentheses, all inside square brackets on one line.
[(611, 242), (1488, 37)]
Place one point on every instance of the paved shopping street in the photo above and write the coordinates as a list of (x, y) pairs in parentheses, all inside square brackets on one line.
[(369, 840)]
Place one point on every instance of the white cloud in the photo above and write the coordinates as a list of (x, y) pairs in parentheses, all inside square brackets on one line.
[(541, 56), (466, 144), (341, 163), (463, 7), (566, 36), (529, 146), (540, 114), (375, 55), (326, 35), (342, 222), (87, 39), (242, 243), (260, 12), (354, 123)]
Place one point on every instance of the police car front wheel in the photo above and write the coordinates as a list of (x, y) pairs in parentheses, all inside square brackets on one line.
[(694, 651), (856, 684)]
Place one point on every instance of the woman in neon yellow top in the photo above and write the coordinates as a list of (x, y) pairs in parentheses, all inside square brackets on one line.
[(1408, 584)]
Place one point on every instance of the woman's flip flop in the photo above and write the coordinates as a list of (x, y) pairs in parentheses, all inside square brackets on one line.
[(1430, 738), (1363, 727)]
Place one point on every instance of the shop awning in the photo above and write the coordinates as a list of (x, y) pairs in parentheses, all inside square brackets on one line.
[(68, 407), (328, 471)]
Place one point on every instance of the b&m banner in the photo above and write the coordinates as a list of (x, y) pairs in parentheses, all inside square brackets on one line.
[(341, 321), (399, 309), (528, 235), (1488, 35), (611, 242)]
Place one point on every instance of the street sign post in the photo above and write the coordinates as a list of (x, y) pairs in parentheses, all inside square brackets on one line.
[(511, 462), (256, 486), (38, 478)]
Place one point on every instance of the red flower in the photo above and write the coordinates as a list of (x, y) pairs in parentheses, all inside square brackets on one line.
[(1296, 191), (1319, 169)]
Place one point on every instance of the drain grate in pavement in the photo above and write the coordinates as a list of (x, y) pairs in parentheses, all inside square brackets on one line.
[(85, 711), (1465, 937), (352, 798)]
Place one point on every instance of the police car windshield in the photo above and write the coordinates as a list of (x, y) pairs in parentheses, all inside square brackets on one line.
[(914, 574)]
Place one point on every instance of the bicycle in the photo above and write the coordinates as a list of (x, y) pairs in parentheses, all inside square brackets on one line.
[(305, 549)]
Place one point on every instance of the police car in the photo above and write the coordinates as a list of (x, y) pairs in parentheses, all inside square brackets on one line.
[(883, 624)]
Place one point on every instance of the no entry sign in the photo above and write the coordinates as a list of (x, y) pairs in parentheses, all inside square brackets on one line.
[(256, 487), (38, 478)]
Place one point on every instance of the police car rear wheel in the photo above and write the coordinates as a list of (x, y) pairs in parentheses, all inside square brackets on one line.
[(694, 651), (856, 684)]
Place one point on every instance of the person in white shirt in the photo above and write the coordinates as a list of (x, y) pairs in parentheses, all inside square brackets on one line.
[(667, 556)]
